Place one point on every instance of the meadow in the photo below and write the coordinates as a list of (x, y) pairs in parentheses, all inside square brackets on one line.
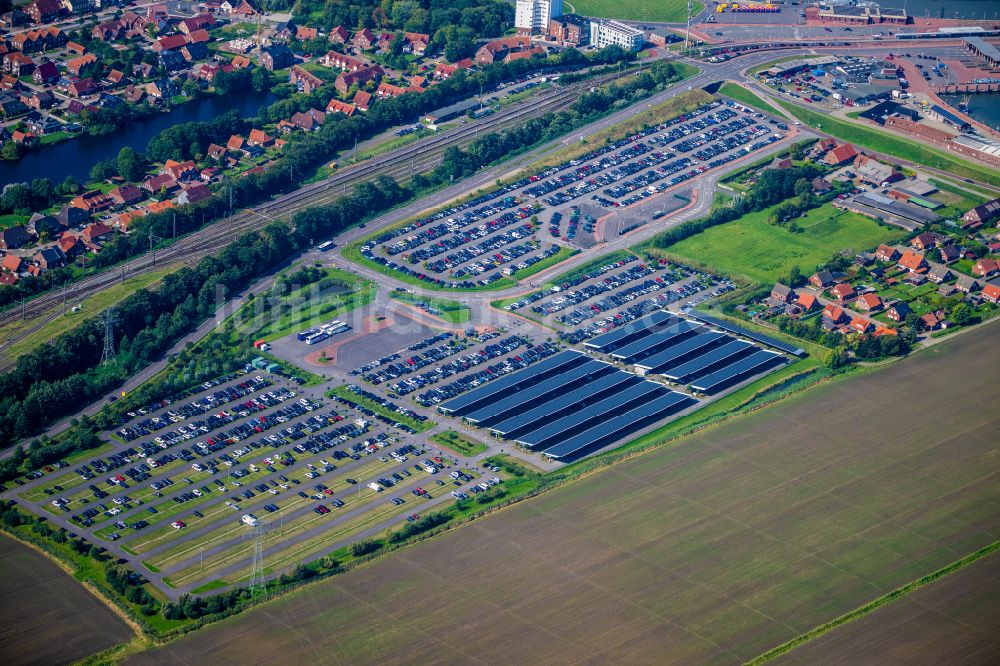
[(751, 247), (671, 11)]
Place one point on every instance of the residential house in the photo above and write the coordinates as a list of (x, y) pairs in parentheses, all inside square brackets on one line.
[(96, 231), (194, 51), (869, 302), (343, 62), (124, 220), (241, 62), (822, 279), (985, 267), (160, 206), (126, 195), (782, 293), (244, 9), (304, 81), (860, 325), (930, 322), (967, 284), (160, 183), (310, 121), (358, 78), (70, 246), (336, 106), (235, 143), (202, 21), (897, 311), (169, 43), (77, 66), (925, 241), (45, 74), (872, 172), (92, 202), (913, 262), (991, 291), (339, 35), (842, 154), (23, 138), (389, 90), (950, 253), (78, 49), (14, 237), (18, 64), (364, 39), (304, 33), (524, 55), (199, 37), (417, 41), (842, 292), (939, 274), (834, 314), (109, 31), (83, 87), (362, 100), (41, 99), (9, 279), (172, 60), (807, 301), (161, 89), (44, 11), (444, 70), (180, 171), (215, 152), (135, 95), (40, 224), (886, 253), (14, 19), (193, 194), (259, 138), (277, 56), (499, 49), (821, 185), (983, 214), (49, 258), (70, 216), (12, 264)]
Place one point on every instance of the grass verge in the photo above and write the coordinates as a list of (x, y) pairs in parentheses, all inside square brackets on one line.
[(458, 443), (344, 392), (746, 96)]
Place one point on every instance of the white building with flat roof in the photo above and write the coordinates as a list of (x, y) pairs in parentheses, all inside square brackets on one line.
[(607, 32), (532, 17)]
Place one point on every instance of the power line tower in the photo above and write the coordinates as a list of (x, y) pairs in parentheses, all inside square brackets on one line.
[(257, 567), (687, 34), (108, 320)]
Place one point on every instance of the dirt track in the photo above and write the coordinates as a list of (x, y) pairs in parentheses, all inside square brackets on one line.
[(711, 551)]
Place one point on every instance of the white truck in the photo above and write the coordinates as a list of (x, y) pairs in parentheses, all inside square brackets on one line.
[(376, 487), (250, 519)]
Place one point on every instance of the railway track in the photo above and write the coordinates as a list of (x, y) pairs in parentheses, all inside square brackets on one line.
[(400, 164)]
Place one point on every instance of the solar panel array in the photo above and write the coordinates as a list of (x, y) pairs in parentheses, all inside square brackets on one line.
[(568, 404), (572, 403), (747, 333)]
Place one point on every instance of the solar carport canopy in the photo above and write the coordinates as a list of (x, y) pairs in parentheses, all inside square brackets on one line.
[(547, 389), (623, 335), (679, 351), (741, 369), (622, 425), (649, 344), (708, 360), (540, 414), (510, 383), (553, 432)]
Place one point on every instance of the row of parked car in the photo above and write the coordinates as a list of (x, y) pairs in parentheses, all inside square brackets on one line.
[(458, 365), (571, 297), (472, 380), (405, 366)]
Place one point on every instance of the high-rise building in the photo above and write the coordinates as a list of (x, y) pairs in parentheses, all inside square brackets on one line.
[(605, 33), (532, 16)]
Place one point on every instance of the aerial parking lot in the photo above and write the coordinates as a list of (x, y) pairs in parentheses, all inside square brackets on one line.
[(496, 238)]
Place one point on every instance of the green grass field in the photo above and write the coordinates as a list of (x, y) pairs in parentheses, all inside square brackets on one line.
[(748, 97), (762, 252), (458, 442), (891, 144), (670, 11), (451, 311), (344, 392)]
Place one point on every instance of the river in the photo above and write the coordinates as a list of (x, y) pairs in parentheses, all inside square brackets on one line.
[(76, 156), (967, 9)]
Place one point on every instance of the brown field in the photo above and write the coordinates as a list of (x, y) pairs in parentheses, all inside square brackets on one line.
[(713, 550), (47, 617), (955, 620)]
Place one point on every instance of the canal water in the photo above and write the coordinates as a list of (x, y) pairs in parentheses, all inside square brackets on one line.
[(966, 9), (76, 156)]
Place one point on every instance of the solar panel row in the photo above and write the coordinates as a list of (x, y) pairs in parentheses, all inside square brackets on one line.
[(625, 334), (510, 383), (623, 425), (743, 368), (557, 430), (546, 389), (563, 404), (650, 344), (747, 333), (681, 351), (727, 353)]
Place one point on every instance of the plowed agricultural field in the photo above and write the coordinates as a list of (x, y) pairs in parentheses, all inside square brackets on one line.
[(47, 617), (954, 620), (711, 551)]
